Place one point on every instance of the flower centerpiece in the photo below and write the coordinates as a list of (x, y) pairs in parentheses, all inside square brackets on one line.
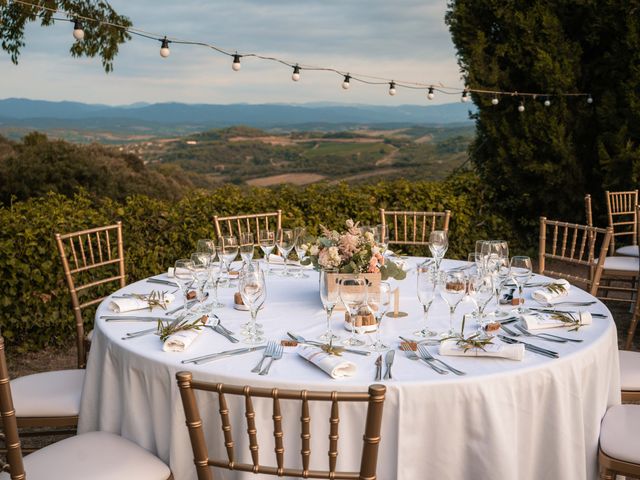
[(351, 251)]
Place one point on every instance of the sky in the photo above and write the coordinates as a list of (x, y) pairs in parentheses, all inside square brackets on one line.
[(402, 40)]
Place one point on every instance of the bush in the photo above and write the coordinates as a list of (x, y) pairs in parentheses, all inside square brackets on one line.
[(34, 302)]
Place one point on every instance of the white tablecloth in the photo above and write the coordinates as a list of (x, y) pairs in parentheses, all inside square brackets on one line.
[(534, 419)]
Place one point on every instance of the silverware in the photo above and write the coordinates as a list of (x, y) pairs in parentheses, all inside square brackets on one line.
[(411, 355), (131, 318), (267, 353), (424, 353), (552, 310), (527, 333), (301, 339), (388, 360), (177, 309), (228, 353), (379, 368), (565, 339), (140, 333), (509, 331), (571, 304), (220, 324), (531, 347), (162, 282), (216, 328), (277, 355), (425, 341)]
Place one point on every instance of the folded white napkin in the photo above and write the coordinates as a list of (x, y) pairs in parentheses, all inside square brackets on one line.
[(546, 294), (171, 272), (496, 349), (121, 305), (539, 322), (180, 341), (336, 367)]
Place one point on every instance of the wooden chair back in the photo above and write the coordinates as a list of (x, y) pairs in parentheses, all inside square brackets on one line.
[(371, 440), (621, 210), (636, 308), (581, 246), (90, 259), (9, 422), (587, 210), (249, 223), (413, 228)]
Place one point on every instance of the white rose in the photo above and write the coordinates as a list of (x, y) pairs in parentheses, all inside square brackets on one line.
[(313, 251)]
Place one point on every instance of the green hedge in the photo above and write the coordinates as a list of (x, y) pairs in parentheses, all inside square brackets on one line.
[(34, 302)]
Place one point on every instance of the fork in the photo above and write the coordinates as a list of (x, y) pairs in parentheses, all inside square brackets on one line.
[(268, 352), (277, 355), (574, 304), (527, 333), (509, 331), (560, 339), (411, 355), (424, 353)]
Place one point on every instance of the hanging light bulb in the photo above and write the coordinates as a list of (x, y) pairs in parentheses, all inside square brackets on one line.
[(547, 102), (164, 49), (521, 106), (296, 73), (495, 101), (430, 95), (236, 63), (465, 97), (589, 99), (345, 83), (392, 88), (78, 32)]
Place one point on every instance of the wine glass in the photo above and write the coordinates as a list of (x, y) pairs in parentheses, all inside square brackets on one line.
[(453, 291), (381, 236), (228, 251), (200, 271), (329, 298), (206, 246), (353, 294), (427, 285), (480, 289), (301, 246), (499, 277), (285, 240), (438, 245), (492, 252), (253, 291), (379, 304), (246, 248), (215, 270), (267, 242), (183, 275), (520, 270)]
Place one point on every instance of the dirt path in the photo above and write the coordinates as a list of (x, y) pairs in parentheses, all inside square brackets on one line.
[(294, 178)]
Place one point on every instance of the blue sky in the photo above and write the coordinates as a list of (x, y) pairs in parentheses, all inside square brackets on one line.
[(404, 40)]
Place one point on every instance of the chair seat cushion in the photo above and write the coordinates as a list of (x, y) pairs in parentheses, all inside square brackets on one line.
[(630, 370), (93, 456), (619, 433), (622, 264), (630, 250), (48, 394)]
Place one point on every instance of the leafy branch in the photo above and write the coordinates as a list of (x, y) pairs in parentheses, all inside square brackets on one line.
[(180, 324), (568, 319)]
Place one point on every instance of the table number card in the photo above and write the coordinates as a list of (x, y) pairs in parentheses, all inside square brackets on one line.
[(396, 306)]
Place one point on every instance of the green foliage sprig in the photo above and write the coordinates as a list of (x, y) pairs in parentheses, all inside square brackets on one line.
[(180, 324), (557, 288), (154, 299), (569, 320), (474, 341)]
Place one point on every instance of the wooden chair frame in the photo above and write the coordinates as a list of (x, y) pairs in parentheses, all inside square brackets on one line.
[(89, 250), (621, 211), (252, 223), (611, 467), (413, 228), (588, 212), (577, 247), (371, 440)]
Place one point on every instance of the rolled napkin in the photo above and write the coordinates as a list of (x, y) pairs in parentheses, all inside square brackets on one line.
[(180, 341), (129, 304), (171, 272), (556, 289), (497, 349), (542, 321), (336, 367)]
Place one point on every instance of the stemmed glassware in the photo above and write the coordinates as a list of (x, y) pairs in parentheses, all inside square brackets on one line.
[(200, 272), (254, 292), (353, 294), (381, 236), (454, 289), (520, 270), (427, 287), (285, 240), (228, 251), (438, 245), (379, 304), (301, 247), (329, 298), (183, 275), (480, 289), (267, 242), (246, 248)]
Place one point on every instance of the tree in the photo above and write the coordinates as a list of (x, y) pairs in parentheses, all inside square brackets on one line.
[(543, 160), (100, 39)]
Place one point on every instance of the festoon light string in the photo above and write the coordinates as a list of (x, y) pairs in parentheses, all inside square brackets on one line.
[(347, 77)]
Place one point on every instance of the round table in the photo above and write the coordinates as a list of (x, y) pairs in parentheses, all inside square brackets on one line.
[(531, 419)]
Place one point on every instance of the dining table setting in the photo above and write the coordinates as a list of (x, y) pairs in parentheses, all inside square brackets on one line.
[(491, 370)]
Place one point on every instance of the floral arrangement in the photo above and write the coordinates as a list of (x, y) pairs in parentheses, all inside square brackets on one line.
[(352, 251)]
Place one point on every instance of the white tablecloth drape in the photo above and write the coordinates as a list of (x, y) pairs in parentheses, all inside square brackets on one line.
[(534, 419)]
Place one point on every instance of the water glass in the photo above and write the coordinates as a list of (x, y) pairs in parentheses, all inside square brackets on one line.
[(438, 245), (200, 271), (301, 246), (228, 251), (379, 304), (253, 291), (353, 294), (246, 247), (285, 240), (329, 298), (267, 242), (520, 271), (480, 289), (183, 275), (454, 288), (426, 289), (381, 237)]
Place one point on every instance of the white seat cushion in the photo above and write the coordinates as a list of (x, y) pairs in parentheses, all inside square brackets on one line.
[(630, 370), (48, 394), (93, 456), (630, 250), (622, 264), (620, 433)]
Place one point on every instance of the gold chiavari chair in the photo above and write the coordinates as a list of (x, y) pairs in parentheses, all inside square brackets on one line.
[(90, 455), (249, 223), (413, 228), (368, 461), (587, 210), (621, 211), (618, 453), (575, 245)]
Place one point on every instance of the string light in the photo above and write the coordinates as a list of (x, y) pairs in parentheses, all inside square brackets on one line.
[(589, 99), (521, 106), (236, 63), (78, 32), (345, 83), (392, 88), (164, 48), (547, 102), (465, 96), (296, 73), (430, 95), (495, 101)]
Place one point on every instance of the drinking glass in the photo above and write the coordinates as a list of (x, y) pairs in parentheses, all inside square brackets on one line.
[(379, 304), (228, 251), (207, 247), (427, 286), (520, 271), (215, 270), (480, 289), (454, 288), (476, 259), (246, 248), (499, 277), (200, 271), (353, 294), (301, 246), (285, 240), (254, 292), (381, 236), (329, 298), (183, 275), (438, 245), (493, 251), (267, 242)]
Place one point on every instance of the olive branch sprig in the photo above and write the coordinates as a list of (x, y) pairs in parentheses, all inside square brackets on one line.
[(331, 349), (154, 299), (476, 340), (557, 288), (179, 324), (569, 320)]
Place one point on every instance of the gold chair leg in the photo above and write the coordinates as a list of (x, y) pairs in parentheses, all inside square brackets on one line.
[(606, 474)]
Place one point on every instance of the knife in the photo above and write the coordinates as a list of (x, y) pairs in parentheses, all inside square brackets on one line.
[(218, 329), (552, 310), (131, 318), (162, 282), (228, 353), (187, 304), (388, 360), (531, 347), (301, 339), (379, 368)]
